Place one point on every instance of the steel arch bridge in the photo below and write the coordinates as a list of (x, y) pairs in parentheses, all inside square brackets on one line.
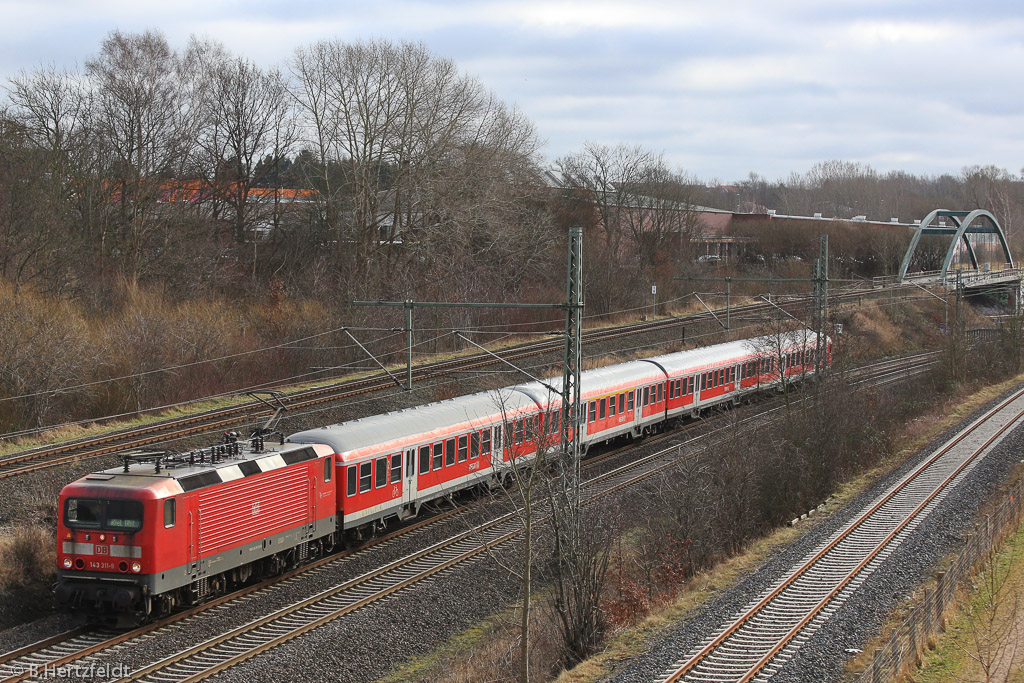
[(964, 224)]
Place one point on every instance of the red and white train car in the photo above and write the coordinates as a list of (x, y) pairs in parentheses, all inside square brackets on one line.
[(141, 539)]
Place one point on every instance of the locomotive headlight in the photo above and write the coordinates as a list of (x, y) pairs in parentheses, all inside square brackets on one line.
[(136, 567), (67, 563)]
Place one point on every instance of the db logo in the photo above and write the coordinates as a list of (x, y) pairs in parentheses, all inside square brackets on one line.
[(256, 508), (394, 491)]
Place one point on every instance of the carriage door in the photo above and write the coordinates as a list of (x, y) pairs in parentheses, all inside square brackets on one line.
[(409, 485)]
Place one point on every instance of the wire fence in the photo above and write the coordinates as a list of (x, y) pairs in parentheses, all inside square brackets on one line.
[(902, 653)]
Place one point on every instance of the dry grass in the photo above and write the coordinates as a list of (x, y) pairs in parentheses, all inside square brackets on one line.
[(27, 572)]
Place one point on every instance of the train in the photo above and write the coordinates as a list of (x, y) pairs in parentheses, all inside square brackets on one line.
[(166, 529)]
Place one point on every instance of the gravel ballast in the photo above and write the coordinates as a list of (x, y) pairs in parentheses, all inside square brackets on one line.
[(861, 617)]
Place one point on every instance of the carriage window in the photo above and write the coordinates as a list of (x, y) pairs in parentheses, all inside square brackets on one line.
[(449, 452), (485, 441), (396, 468), (629, 401), (327, 469), (518, 430), (353, 476), (438, 455), (661, 393), (622, 403), (463, 448), (424, 459), (497, 439), (381, 478), (647, 395), (474, 445), (593, 411), (611, 406), (169, 513), (602, 408), (365, 476)]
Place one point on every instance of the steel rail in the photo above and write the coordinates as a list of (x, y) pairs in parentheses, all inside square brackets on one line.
[(696, 659)]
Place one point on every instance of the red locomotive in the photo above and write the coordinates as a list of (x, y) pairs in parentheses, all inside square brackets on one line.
[(165, 529), (168, 530)]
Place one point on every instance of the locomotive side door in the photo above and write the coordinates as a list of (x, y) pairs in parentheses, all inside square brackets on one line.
[(193, 539)]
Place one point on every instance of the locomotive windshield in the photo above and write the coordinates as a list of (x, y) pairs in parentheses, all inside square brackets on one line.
[(115, 515)]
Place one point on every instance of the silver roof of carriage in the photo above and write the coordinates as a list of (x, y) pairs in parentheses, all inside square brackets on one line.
[(697, 360), (410, 427)]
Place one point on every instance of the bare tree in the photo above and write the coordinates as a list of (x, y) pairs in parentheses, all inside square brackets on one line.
[(246, 117), (408, 148), (644, 211), (146, 126)]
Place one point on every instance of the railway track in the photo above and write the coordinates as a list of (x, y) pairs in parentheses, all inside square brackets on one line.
[(244, 642), (225, 418), (221, 419), (755, 644), (76, 645)]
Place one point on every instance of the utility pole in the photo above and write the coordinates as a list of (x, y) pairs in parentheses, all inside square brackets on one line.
[(821, 306), (571, 417)]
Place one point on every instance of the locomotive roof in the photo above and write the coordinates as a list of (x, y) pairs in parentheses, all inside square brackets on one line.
[(177, 475)]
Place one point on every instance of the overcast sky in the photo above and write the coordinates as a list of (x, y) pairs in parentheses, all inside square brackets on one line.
[(723, 88)]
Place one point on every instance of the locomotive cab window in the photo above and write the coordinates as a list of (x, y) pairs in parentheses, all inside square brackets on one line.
[(115, 515), (82, 513), (169, 513), (122, 514)]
